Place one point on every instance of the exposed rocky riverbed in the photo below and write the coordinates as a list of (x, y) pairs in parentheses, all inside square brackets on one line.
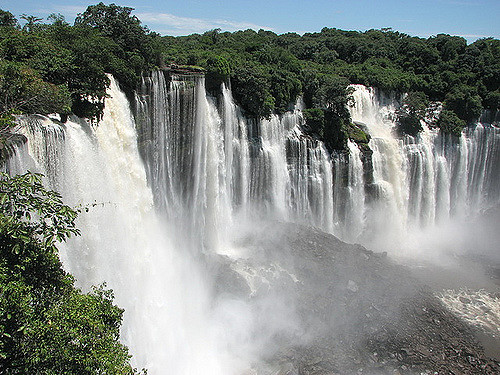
[(350, 311)]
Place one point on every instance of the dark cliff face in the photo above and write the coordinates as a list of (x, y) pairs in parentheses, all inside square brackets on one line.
[(9, 140), (490, 117), (347, 308)]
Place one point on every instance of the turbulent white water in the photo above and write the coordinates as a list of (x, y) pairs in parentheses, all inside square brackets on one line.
[(479, 308), (125, 244), (170, 188), (424, 187), (208, 164)]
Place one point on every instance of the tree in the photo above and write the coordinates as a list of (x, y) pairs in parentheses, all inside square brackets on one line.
[(138, 49), (23, 90), (31, 21), (315, 121), (218, 71), (412, 112), (7, 19), (450, 123), (57, 19), (285, 88), (464, 101), (251, 88), (212, 35), (46, 324), (332, 94), (117, 23)]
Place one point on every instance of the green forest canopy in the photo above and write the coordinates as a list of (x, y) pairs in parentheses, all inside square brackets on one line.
[(53, 67), (57, 67)]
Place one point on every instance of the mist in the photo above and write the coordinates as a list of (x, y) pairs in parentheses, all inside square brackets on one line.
[(223, 237)]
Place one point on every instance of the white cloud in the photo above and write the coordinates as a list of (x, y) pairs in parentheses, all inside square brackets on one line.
[(169, 24), (476, 36), (71, 9), (68, 11)]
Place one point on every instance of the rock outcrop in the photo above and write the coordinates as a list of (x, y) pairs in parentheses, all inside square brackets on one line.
[(354, 311)]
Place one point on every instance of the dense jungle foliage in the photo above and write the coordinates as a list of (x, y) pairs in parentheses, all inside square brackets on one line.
[(47, 326), (56, 67), (268, 71)]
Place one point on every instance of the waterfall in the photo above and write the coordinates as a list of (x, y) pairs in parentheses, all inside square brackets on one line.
[(125, 243), (420, 183), (170, 183), (167, 191), (208, 164), (355, 200), (182, 143)]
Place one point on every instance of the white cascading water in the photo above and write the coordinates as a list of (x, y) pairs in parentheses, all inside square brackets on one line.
[(170, 189), (124, 244), (386, 214), (237, 152), (214, 164), (425, 184), (205, 167), (354, 220), (222, 171), (182, 143)]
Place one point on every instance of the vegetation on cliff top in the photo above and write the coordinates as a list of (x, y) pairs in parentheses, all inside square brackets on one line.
[(275, 69), (56, 67), (59, 68)]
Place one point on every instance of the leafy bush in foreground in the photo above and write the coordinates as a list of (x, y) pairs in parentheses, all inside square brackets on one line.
[(47, 326)]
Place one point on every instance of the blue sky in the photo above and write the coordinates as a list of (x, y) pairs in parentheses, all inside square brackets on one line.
[(472, 19)]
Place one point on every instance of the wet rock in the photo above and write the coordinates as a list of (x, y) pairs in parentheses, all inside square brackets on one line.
[(352, 286), (351, 303)]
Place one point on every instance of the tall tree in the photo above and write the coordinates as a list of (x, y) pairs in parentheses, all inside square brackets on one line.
[(116, 22), (31, 21), (7, 19)]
